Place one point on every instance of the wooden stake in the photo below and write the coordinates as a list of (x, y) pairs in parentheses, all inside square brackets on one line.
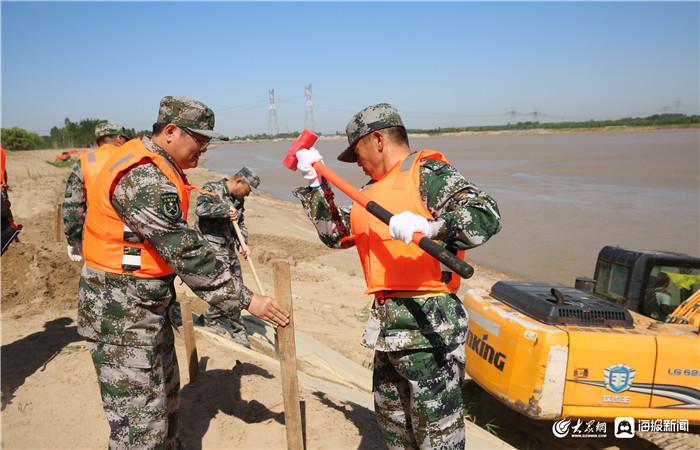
[(190, 344), (58, 222), (288, 357)]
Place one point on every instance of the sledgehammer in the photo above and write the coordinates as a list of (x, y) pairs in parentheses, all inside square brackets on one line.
[(307, 139)]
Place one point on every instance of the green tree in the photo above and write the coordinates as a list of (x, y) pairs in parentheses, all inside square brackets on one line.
[(56, 138), (19, 139)]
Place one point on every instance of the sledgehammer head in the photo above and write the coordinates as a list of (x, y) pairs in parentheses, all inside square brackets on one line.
[(305, 140)]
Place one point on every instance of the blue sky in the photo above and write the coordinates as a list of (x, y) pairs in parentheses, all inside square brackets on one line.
[(440, 64)]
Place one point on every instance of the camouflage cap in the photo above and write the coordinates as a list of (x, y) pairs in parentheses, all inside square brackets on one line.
[(103, 129), (250, 177), (372, 118), (188, 113)]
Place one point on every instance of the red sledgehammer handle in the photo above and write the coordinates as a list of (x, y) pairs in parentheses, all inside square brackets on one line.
[(429, 246)]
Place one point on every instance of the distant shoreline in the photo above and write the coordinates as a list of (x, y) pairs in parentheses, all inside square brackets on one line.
[(545, 131), (523, 132), (531, 132)]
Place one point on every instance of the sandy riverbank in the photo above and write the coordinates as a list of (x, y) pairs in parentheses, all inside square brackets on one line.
[(50, 397), (529, 132)]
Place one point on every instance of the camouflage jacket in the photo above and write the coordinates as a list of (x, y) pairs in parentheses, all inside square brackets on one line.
[(74, 206), (5, 200), (212, 217), (467, 218), (6, 204), (130, 314)]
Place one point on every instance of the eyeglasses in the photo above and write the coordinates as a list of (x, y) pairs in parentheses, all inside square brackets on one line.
[(202, 141)]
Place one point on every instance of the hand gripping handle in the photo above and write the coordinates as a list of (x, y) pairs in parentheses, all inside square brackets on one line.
[(462, 268)]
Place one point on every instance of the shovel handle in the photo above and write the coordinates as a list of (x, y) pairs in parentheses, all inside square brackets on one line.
[(435, 250), (250, 261)]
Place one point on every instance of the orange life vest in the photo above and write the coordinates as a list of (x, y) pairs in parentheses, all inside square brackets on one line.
[(3, 180), (105, 245), (91, 163), (391, 265)]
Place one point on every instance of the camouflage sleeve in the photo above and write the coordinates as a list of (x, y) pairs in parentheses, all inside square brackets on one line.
[(5, 200), (466, 216), (332, 223), (74, 206), (211, 206), (144, 199)]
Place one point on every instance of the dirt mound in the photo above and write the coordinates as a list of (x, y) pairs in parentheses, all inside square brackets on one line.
[(268, 247), (41, 276), (38, 277)]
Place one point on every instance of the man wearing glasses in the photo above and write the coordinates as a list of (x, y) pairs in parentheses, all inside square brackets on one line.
[(136, 241), (109, 136)]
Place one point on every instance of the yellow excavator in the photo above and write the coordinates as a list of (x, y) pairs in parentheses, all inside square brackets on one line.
[(624, 344)]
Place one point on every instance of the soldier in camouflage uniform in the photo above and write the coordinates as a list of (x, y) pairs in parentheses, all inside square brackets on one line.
[(107, 135), (418, 336), (123, 314), (214, 216)]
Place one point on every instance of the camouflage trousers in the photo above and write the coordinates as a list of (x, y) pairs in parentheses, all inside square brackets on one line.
[(418, 399), (212, 314), (141, 405)]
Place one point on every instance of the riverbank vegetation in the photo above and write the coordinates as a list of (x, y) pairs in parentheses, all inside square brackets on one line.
[(655, 121), (71, 134)]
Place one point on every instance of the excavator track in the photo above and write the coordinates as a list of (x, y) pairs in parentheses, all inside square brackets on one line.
[(528, 434), (672, 441)]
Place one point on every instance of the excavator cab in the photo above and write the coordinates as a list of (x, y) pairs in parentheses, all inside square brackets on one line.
[(549, 351), (653, 283)]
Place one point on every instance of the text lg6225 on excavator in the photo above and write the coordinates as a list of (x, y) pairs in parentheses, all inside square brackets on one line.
[(550, 352)]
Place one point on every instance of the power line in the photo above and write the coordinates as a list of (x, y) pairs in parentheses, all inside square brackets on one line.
[(243, 107)]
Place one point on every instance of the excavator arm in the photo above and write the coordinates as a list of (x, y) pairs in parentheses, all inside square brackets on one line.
[(687, 312)]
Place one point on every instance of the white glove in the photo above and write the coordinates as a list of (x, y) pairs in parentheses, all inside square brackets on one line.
[(403, 225), (75, 253), (306, 157)]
